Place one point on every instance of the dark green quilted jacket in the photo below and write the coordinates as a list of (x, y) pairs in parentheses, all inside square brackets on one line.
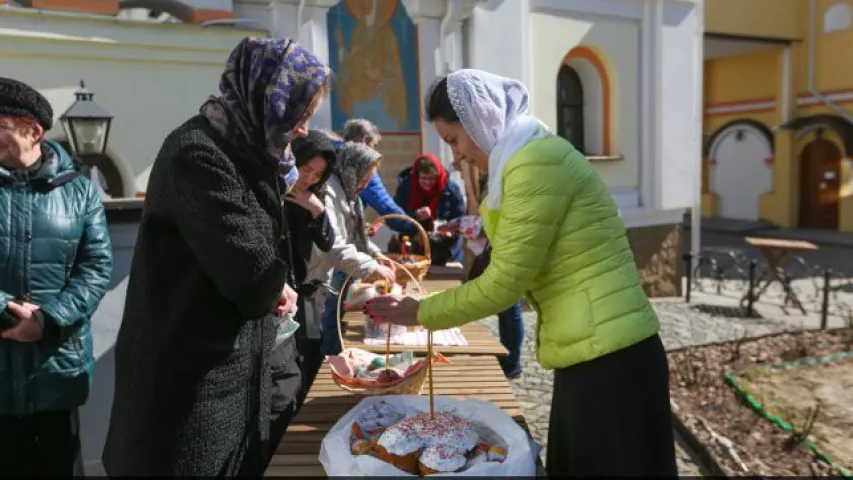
[(55, 251)]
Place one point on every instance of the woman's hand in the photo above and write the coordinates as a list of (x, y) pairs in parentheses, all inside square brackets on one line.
[(28, 328), (394, 309), (307, 200), (373, 228), (287, 301), (382, 273), (385, 261), (448, 229), (423, 213)]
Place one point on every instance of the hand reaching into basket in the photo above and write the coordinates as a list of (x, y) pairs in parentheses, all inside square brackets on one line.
[(373, 228), (448, 229), (382, 273), (385, 262), (423, 213), (395, 309)]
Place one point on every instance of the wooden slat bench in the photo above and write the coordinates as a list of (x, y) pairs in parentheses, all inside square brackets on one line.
[(298, 454)]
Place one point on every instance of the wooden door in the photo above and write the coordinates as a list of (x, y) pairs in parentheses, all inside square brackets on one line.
[(820, 183)]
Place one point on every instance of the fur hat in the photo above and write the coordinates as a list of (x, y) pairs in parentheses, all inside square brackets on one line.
[(21, 100)]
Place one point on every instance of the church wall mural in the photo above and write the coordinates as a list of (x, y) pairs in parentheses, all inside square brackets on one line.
[(373, 50)]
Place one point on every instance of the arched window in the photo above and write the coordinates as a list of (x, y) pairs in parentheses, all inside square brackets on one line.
[(108, 173), (570, 107), (837, 18)]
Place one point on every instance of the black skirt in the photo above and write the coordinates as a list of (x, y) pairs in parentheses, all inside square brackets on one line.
[(611, 416)]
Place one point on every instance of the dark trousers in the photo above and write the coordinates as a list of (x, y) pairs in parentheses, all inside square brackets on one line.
[(511, 331), (286, 390), (331, 342), (42, 444), (611, 416)]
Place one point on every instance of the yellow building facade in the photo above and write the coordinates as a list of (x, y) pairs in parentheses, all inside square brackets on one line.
[(778, 120)]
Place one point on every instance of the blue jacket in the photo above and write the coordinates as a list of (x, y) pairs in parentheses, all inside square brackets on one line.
[(375, 195), (55, 250)]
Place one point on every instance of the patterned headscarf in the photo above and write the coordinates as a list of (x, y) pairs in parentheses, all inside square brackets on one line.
[(266, 88), (354, 162)]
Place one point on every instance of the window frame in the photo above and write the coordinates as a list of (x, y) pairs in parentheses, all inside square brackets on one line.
[(576, 104)]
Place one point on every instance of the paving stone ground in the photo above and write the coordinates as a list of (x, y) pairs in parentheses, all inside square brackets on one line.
[(708, 319)]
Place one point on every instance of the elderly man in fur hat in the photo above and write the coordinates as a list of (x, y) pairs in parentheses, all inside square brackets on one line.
[(55, 266)]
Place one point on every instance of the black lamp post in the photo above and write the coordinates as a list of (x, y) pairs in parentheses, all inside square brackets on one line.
[(87, 126)]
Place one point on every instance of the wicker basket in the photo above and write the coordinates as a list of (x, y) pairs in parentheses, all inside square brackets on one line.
[(420, 267), (411, 384)]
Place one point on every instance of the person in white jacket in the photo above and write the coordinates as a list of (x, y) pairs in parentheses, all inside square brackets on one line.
[(352, 253)]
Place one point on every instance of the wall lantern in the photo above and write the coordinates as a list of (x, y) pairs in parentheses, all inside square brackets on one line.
[(87, 126)]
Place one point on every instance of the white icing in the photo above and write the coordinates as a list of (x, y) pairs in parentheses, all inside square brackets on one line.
[(419, 432), (442, 458), (381, 415)]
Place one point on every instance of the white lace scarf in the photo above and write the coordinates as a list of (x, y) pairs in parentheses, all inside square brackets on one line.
[(494, 112)]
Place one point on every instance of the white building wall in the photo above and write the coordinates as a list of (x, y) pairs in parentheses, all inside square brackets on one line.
[(149, 76), (679, 176), (428, 49), (555, 34), (654, 49), (498, 38)]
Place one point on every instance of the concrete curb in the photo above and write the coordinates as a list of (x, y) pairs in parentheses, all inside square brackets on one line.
[(706, 459)]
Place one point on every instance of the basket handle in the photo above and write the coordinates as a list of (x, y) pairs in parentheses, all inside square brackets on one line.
[(418, 226), (349, 280)]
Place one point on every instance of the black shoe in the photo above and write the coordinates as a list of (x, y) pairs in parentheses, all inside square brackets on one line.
[(513, 375)]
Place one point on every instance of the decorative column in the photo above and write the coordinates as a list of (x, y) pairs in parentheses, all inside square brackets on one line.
[(428, 15), (313, 35), (306, 24), (784, 165)]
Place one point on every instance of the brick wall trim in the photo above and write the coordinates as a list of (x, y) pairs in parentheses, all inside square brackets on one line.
[(97, 7), (201, 15)]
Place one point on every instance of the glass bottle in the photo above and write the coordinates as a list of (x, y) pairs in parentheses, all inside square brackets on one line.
[(405, 247)]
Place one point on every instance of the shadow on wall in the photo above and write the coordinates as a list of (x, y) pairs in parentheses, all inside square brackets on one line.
[(491, 5), (95, 414)]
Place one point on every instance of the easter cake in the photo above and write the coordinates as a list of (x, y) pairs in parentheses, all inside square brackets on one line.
[(420, 444)]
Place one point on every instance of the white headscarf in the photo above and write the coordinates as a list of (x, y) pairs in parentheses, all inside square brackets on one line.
[(494, 112)]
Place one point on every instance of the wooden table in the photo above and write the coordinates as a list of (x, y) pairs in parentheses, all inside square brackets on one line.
[(450, 271), (480, 340), (778, 254), (298, 453)]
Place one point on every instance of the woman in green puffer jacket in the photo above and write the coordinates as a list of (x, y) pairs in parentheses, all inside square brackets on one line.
[(557, 240)]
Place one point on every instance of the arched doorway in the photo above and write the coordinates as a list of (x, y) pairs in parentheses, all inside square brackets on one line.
[(820, 184), (110, 177), (740, 170)]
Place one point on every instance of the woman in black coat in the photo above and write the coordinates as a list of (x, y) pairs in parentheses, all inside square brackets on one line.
[(192, 380), (295, 361)]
